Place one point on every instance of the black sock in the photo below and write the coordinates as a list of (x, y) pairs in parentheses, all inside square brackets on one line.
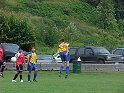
[(16, 75), (20, 77), (2, 68)]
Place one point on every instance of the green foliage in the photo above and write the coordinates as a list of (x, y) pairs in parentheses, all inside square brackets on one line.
[(71, 33), (84, 12), (16, 30), (92, 2), (119, 9), (106, 15), (121, 25), (59, 12), (49, 33), (78, 22)]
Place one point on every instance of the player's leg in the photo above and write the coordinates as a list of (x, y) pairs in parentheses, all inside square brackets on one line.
[(2, 67), (67, 69), (16, 75), (29, 72), (67, 65), (61, 68), (29, 76), (35, 73), (62, 65), (20, 72), (1, 63)]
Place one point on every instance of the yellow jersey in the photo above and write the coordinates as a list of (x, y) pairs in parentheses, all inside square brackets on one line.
[(33, 58), (63, 47)]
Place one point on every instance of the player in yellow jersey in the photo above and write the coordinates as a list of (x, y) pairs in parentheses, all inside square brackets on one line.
[(64, 54), (32, 59)]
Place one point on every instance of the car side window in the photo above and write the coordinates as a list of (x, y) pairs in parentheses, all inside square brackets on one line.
[(81, 51), (88, 51), (123, 52), (118, 52), (72, 51)]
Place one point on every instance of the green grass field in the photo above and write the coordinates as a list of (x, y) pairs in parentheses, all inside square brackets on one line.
[(48, 82)]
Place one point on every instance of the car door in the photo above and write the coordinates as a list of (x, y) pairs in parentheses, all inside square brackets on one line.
[(90, 57), (81, 53)]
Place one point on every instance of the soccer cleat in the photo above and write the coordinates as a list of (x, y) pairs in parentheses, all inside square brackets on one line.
[(21, 81), (13, 80), (29, 80), (66, 76), (60, 74), (35, 80)]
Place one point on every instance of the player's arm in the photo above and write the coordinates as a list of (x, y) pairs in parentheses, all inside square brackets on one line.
[(58, 50), (24, 60), (36, 58), (28, 59), (67, 49), (16, 55)]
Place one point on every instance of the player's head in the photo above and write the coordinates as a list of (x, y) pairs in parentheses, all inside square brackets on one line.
[(33, 49), (20, 50), (61, 40)]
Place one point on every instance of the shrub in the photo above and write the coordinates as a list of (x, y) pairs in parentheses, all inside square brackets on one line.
[(16, 30)]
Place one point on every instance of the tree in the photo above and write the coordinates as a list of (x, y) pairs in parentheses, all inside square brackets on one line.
[(1, 33), (119, 9), (16, 30), (107, 15), (92, 2)]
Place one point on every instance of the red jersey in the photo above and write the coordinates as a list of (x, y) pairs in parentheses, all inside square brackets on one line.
[(20, 58), (1, 54)]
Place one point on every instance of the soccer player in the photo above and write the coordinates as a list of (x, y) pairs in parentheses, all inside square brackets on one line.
[(32, 59), (2, 63), (64, 54), (20, 59)]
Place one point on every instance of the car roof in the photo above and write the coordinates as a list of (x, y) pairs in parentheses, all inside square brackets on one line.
[(92, 47), (120, 48), (74, 47), (86, 47), (8, 43)]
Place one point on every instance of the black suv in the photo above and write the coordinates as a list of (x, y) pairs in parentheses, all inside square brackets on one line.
[(92, 54), (9, 50)]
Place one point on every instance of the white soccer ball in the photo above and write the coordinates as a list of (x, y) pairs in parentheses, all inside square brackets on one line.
[(13, 59)]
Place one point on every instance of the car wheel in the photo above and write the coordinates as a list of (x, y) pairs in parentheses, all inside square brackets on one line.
[(100, 61)]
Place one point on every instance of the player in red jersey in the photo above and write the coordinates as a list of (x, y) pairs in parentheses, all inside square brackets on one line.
[(2, 63), (20, 59)]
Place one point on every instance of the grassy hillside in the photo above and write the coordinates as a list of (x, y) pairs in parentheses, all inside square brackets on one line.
[(73, 20)]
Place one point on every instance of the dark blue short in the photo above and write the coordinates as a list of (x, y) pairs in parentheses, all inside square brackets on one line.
[(64, 57), (31, 67)]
